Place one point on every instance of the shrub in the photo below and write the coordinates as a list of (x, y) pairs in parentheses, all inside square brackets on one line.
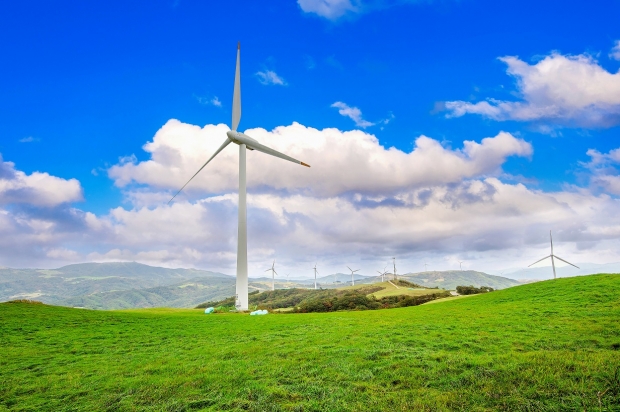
[(28, 301), (472, 290)]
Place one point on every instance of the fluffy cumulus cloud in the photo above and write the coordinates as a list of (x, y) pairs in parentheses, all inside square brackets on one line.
[(604, 170), (342, 162), (38, 189), (560, 90), (359, 203), (36, 216)]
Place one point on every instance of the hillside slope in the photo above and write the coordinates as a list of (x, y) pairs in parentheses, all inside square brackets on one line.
[(56, 286), (450, 279), (551, 345)]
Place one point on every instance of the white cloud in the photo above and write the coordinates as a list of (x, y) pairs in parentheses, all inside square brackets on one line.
[(330, 9), (615, 51), (352, 113), (39, 189), (357, 158), (269, 77), (562, 90), (360, 203), (28, 139), (604, 170)]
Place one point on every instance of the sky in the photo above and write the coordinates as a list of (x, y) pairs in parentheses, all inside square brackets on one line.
[(438, 131)]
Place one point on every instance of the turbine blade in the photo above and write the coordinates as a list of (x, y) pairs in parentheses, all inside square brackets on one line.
[(551, 239), (349, 268), (275, 272), (226, 143), (557, 257), (236, 109), (267, 150), (546, 257)]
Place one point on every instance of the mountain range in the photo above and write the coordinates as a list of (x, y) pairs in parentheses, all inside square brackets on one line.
[(123, 285)]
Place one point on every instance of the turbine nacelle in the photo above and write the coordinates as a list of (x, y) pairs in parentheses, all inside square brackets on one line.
[(240, 138), (252, 144)]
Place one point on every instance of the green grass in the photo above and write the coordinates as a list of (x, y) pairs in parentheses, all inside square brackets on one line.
[(551, 345), (391, 290)]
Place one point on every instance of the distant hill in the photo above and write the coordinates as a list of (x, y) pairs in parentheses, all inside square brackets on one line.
[(450, 279), (59, 286), (562, 270), (123, 285)]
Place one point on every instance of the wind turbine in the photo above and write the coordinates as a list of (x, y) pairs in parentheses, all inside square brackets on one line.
[(315, 272), (425, 265), (383, 274), (552, 256), (245, 142), (273, 271), (461, 264), (352, 272)]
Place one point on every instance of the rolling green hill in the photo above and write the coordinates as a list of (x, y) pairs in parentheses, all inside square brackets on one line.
[(450, 279), (82, 284), (552, 346)]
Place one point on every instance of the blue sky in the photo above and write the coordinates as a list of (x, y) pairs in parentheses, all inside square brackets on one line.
[(84, 85)]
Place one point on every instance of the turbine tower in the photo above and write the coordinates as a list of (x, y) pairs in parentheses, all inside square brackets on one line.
[(315, 272), (461, 264), (425, 265), (552, 256), (273, 272), (352, 272), (245, 142)]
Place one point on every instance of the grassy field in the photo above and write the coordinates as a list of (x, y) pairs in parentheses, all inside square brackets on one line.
[(392, 290), (552, 345)]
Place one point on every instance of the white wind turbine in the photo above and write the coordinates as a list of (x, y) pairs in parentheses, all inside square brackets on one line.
[(245, 142), (461, 264), (315, 272), (352, 278), (273, 273), (552, 256), (382, 274)]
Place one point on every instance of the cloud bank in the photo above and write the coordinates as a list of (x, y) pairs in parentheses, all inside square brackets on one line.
[(360, 203)]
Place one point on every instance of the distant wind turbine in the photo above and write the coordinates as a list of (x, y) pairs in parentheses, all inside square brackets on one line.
[(461, 264), (425, 265), (273, 272), (552, 256), (245, 142), (315, 272), (352, 278), (383, 274)]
